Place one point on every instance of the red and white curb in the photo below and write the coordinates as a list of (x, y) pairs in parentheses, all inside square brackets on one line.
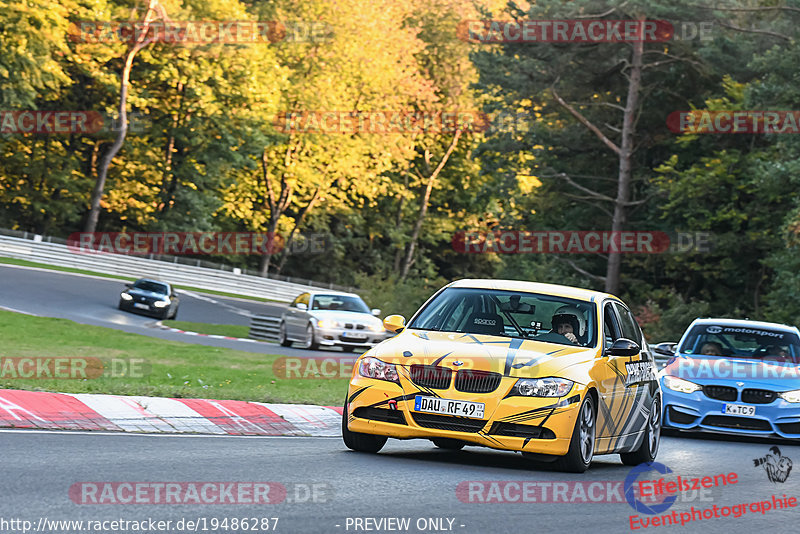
[(86, 411)]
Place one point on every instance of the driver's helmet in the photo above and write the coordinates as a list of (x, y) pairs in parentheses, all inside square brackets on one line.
[(571, 315)]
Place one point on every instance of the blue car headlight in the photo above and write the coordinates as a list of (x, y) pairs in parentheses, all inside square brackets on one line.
[(679, 384), (790, 396)]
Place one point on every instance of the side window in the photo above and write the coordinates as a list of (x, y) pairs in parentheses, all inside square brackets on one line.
[(630, 329), (610, 325)]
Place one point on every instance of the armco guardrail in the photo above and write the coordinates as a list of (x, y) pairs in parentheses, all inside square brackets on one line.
[(38, 250), (264, 327)]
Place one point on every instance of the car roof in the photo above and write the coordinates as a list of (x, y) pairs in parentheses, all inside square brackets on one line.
[(744, 323), (331, 292), (151, 280), (532, 287)]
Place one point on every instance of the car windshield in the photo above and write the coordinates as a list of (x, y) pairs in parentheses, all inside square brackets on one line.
[(742, 342), (508, 314), (154, 287), (339, 303)]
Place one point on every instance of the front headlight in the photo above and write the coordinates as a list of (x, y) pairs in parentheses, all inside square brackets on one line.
[(327, 323), (125, 296), (790, 396), (374, 368), (679, 384), (375, 327), (543, 387), (161, 303)]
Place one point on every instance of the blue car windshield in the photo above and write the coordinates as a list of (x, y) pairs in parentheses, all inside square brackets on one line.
[(742, 342), (509, 314)]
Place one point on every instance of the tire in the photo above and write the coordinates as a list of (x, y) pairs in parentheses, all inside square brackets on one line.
[(648, 450), (359, 442), (310, 343), (121, 305), (581, 446), (175, 315), (448, 444), (165, 316), (282, 339)]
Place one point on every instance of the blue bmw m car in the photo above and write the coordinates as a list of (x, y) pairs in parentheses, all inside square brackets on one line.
[(734, 376)]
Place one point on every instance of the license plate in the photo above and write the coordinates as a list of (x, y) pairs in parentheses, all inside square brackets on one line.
[(449, 407), (140, 305), (738, 409), (354, 337)]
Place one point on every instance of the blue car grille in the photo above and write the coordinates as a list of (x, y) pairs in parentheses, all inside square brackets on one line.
[(758, 396), (723, 393), (739, 423)]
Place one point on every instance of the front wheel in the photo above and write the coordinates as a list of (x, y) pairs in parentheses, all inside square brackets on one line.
[(310, 342), (648, 450), (448, 444), (581, 446), (360, 442)]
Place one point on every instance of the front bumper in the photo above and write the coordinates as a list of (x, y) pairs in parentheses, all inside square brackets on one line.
[(151, 310), (699, 413), (351, 337), (530, 424)]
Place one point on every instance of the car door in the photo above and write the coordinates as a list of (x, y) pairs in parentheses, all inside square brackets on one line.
[(296, 318), (639, 373), (609, 375)]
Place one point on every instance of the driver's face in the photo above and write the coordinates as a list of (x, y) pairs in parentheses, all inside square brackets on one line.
[(565, 328)]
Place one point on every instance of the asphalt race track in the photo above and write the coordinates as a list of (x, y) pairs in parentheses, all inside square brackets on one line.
[(93, 300), (326, 484)]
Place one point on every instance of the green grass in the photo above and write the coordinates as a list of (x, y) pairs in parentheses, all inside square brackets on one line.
[(232, 330), (170, 368), (26, 263)]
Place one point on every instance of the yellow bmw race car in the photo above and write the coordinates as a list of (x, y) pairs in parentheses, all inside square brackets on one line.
[(558, 373)]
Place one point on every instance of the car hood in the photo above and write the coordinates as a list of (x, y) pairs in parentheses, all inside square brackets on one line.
[(778, 376), (346, 316), (509, 356)]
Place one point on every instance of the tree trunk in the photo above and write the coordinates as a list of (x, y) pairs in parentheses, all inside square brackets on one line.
[(276, 206), (625, 154), (105, 162), (423, 208), (297, 224)]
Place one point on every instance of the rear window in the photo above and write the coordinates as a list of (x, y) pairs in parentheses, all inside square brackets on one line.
[(742, 342)]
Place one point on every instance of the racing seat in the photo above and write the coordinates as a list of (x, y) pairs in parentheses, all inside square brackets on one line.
[(485, 323)]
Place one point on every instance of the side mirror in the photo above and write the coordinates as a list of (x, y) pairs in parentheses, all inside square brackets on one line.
[(129, 286), (394, 323), (665, 349), (302, 306), (624, 347), (376, 312)]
